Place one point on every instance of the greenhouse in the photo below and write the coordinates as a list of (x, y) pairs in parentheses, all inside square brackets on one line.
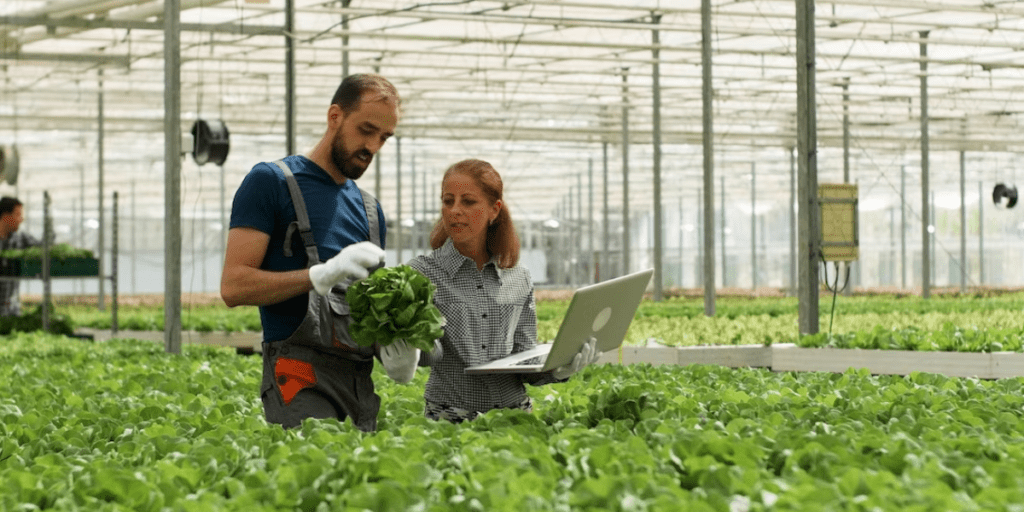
[(824, 193)]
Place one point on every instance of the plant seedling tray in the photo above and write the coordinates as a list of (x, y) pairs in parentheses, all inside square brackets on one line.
[(64, 267)]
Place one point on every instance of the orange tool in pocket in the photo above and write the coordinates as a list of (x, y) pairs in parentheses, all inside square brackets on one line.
[(293, 376)]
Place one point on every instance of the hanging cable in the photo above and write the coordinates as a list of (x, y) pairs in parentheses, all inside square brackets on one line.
[(834, 288)]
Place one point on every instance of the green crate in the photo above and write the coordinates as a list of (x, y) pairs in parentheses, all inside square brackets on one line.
[(58, 268)]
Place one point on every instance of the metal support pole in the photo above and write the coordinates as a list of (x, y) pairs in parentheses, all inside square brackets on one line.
[(926, 260), (892, 246), (413, 242), (708, 244), (981, 234), (135, 255), (172, 175), (807, 147), (570, 235), (223, 215), (762, 243), (45, 263), (289, 76), (113, 265), (80, 222), (753, 225), (846, 129), (847, 290), (377, 159), (605, 257), (427, 208), (963, 223), (700, 247), (344, 40), (625, 173), (934, 235), (578, 246), (903, 227), (590, 219), (429, 203), (793, 285), (721, 208), (202, 247), (682, 234), (100, 135), (398, 200), (568, 228), (656, 117)]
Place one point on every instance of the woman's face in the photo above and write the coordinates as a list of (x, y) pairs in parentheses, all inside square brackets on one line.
[(466, 210)]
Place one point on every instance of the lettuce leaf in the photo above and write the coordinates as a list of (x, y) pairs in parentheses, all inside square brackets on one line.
[(392, 304)]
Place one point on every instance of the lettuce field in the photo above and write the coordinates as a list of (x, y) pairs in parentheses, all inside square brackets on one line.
[(121, 425), (971, 323)]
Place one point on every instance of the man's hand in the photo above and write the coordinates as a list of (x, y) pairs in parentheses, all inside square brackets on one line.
[(587, 355), (400, 359), (352, 262)]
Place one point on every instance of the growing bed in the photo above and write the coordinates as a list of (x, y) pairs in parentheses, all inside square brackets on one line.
[(133, 428), (120, 425)]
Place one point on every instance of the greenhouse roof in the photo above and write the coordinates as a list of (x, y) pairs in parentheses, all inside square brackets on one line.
[(535, 87)]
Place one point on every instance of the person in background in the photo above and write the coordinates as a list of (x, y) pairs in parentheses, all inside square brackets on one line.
[(11, 217), (301, 232), (486, 298)]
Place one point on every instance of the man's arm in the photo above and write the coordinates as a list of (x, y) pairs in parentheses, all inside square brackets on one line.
[(243, 283)]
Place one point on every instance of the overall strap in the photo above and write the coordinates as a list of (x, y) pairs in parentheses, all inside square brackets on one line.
[(301, 224), (370, 204)]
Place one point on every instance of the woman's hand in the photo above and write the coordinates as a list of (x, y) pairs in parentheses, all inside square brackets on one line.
[(587, 355)]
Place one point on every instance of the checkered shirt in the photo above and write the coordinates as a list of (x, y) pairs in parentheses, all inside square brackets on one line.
[(10, 301), (490, 314)]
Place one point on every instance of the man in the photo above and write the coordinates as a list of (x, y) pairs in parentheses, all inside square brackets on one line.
[(11, 217), (289, 216)]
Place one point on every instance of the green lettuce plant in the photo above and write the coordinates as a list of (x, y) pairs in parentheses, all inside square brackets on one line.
[(57, 252), (392, 304)]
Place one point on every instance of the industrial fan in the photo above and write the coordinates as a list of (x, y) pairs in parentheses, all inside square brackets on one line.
[(1004, 192), (210, 142)]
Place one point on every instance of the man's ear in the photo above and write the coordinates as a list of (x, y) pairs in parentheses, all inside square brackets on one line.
[(335, 116)]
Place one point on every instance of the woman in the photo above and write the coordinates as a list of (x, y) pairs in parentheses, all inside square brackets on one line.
[(485, 296)]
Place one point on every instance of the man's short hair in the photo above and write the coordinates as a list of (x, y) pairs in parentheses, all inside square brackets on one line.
[(353, 87), (7, 204)]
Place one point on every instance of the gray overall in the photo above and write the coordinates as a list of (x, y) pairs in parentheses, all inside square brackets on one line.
[(318, 371)]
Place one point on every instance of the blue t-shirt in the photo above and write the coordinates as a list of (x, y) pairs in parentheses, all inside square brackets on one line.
[(337, 219)]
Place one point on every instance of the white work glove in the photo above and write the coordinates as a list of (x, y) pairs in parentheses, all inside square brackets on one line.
[(352, 262), (400, 359), (587, 355)]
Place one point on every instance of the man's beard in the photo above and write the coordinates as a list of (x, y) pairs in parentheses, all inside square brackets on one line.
[(346, 162)]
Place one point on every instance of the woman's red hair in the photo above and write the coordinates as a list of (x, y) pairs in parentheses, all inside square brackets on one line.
[(502, 239)]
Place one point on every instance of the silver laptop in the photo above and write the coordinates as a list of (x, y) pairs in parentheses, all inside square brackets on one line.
[(603, 310)]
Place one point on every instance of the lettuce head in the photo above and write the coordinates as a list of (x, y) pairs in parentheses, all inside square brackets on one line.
[(394, 303)]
